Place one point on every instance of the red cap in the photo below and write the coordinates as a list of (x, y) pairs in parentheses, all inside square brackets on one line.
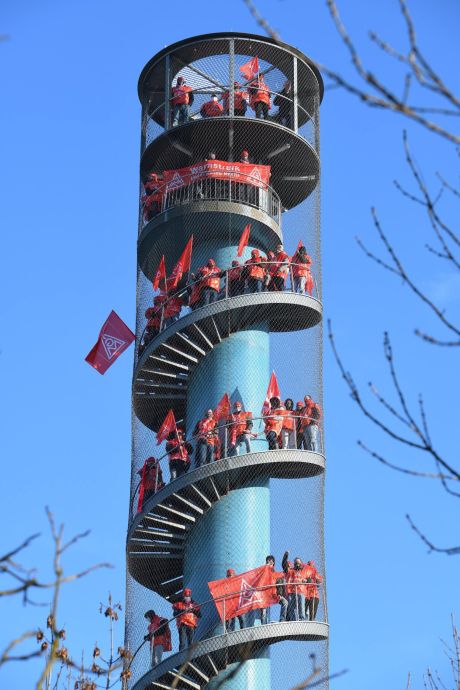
[(230, 572), (244, 152), (187, 592)]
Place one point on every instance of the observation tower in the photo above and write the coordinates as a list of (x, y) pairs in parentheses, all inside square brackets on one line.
[(261, 498)]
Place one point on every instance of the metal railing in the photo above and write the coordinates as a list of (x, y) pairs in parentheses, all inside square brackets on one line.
[(300, 437), (263, 197), (295, 607), (291, 283)]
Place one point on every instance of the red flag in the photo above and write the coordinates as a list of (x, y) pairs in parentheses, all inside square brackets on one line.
[(223, 408), (160, 275), (273, 391), (114, 338), (244, 239), (300, 244), (169, 425), (250, 69), (235, 595), (183, 265)]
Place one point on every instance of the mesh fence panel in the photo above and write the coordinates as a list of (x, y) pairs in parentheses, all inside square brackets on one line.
[(253, 484)]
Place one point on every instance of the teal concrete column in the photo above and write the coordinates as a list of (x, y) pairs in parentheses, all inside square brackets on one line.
[(235, 532)]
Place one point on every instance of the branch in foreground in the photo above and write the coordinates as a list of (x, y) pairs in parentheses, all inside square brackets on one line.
[(453, 551)]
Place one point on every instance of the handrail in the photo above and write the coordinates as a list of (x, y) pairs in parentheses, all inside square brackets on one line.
[(220, 194), (223, 598), (224, 426), (224, 273)]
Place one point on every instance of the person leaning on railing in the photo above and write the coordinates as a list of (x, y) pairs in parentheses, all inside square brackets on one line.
[(312, 594), (301, 271), (151, 479), (296, 579), (273, 423), (255, 271), (288, 431), (311, 417), (209, 285), (279, 271), (159, 635), (179, 451), (207, 439), (151, 199), (240, 102), (181, 100), (259, 97), (239, 429), (186, 612), (235, 277), (211, 108)]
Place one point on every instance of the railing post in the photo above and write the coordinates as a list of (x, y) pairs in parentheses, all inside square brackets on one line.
[(295, 96), (291, 275), (167, 92), (227, 276), (225, 619)]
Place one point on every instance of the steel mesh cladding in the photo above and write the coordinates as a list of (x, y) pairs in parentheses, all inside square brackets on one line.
[(228, 449)]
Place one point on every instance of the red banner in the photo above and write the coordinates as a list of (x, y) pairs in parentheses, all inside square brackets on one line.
[(183, 265), (242, 592), (250, 69), (114, 338), (247, 173), (167, 427), (273, 391), (223, 408), (244, 239)]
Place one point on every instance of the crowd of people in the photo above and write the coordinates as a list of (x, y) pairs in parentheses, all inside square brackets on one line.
[(256, 95), (295, 589), (210, 283), (285, 427)]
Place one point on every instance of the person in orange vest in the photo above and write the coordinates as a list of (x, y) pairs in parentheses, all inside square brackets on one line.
[(231, 622), (240, 101), (239, 429), (312, 594), (301, 271), (288, 431), (151, 199), (154, 321), (206, 433), (273, 423), (181, 100), (159, 635), (151, 479), (235, 277), (312, 414), (279, 270), (173, 304), (211, 108), (179, 451), (269, 265), (186, 612), (210, 282), (244, 157), (255, 271), (259, 97), (298, 413), (296, 581)]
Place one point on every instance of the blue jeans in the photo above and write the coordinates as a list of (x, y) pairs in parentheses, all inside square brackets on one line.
[(299, 284), (181, 113), (157, 653), (283, 609), (185, 636), (204, 452), (296, 607), (255, 285), (311, 437), (208, 296), (242, 440), (230, 624)]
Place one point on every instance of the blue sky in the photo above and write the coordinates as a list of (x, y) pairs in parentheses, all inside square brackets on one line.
[(69, 128)]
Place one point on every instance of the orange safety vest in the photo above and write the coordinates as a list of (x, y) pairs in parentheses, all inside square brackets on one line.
[(164, 638), (301, 270), (211, 278), (206, 429), (261, 93), (189, 617), (297, 577), (238, 99), (238, 424), (274, 421), (179, 451), (255, 268), (181, 94), (288, 421), (212, 109)]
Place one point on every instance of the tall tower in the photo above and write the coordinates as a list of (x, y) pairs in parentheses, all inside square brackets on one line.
[(218, 515)]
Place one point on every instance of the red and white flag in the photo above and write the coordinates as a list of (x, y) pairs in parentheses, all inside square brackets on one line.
[(273, 391), (236, 595), (114, 338), (183, 265), (168, 426), (223, 408), (244, 239), (159, 280), (250, 69)]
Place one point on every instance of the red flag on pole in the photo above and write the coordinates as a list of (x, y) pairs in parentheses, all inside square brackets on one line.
[(244, 239), (160, 276), (273, 391), (169, 425), (183, 265), (236, 595), (114, 338), (223, 408), (250, 69), (300, 244)]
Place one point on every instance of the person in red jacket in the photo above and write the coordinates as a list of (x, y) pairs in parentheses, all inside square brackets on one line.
[(210, 282), (235, 277), (255, 271), (151, 199), (259, 97), (240, 101), (299, 408), (279, 270), (211, 108), (173, 303), (296, 576), (239, 429), (312, 414), (159, 635), (274, 423), (179, 451), (301, 271), (244, 157), (206, 433), (151, 479), (288, 431), (312, 593), (186, 612), (181, 100)]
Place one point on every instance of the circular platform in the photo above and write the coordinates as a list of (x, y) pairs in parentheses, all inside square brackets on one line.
[(161, 374), (294, 162), (167, 233), (194, 667), (156, 537)]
